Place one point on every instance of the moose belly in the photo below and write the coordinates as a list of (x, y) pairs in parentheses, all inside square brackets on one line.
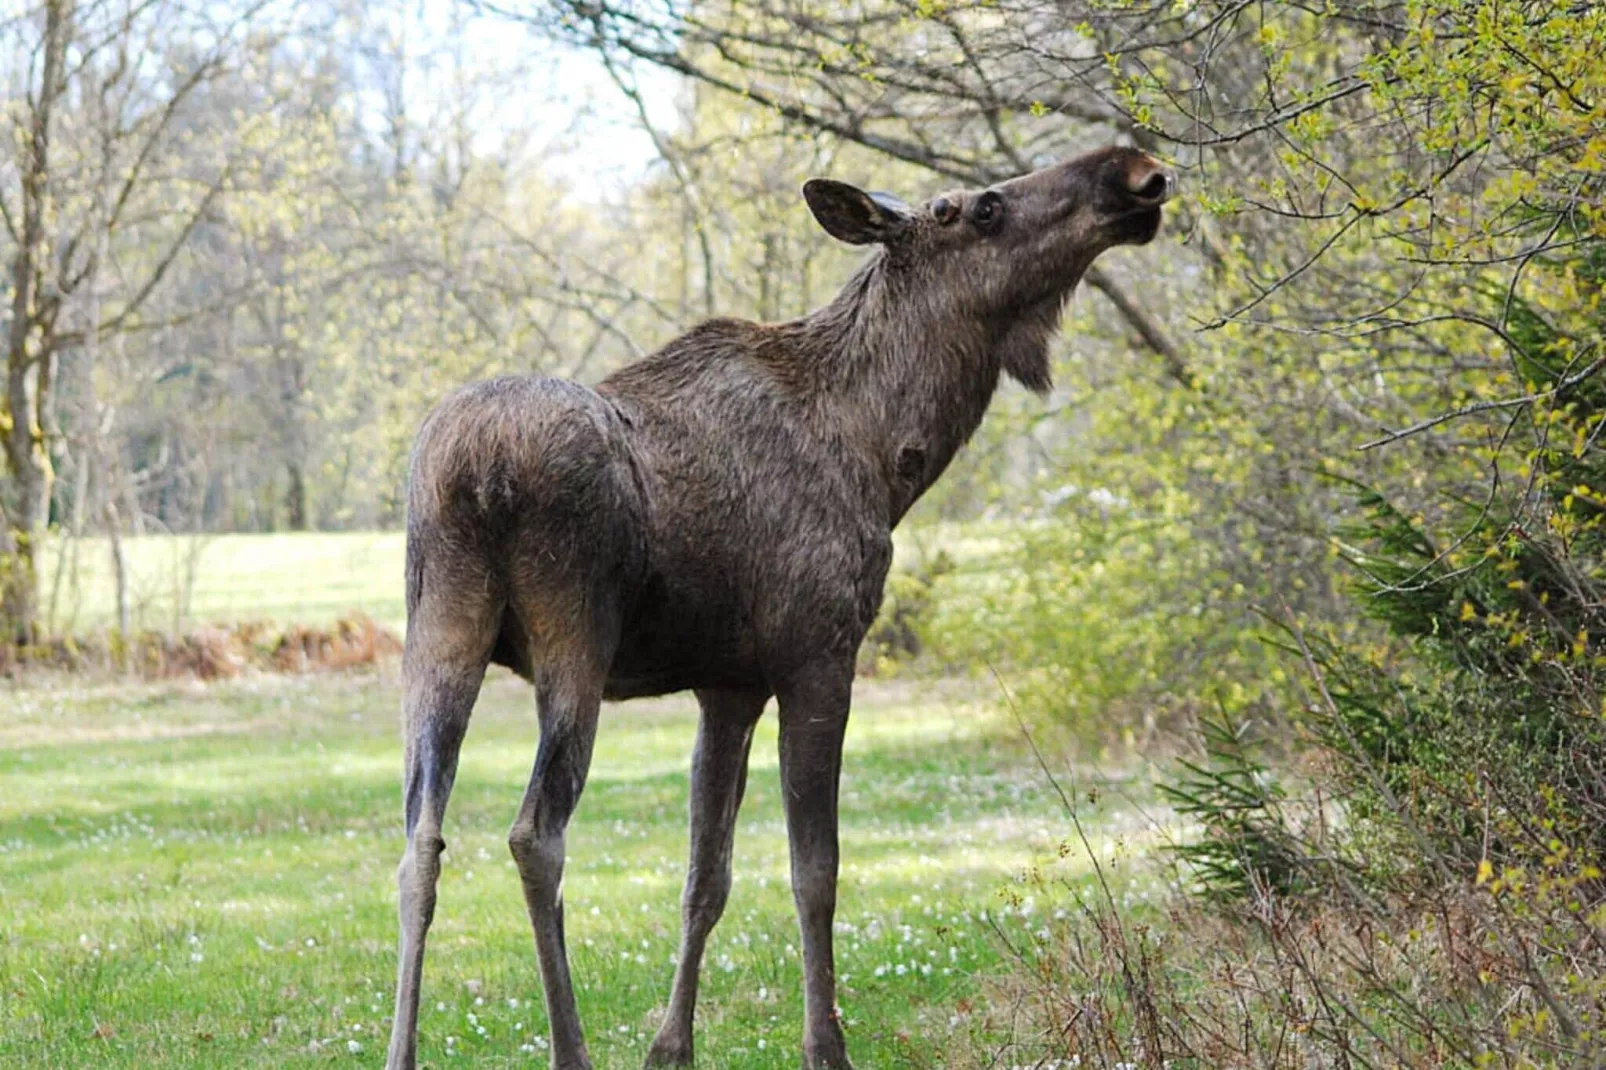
[(678, 640)]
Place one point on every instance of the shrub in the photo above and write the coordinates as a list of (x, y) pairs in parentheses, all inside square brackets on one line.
[(1108, 620)]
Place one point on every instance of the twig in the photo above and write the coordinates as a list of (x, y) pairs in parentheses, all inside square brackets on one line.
[(1485, 406)]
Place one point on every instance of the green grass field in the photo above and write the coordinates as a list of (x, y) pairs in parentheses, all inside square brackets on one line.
[(203, 876), (310, 578), (177, 581)]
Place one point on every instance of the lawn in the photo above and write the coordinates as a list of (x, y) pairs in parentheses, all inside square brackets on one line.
[(202, 875), (177, 581), (309, 578)]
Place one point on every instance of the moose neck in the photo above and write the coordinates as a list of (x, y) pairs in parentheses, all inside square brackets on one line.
[(914, 378)]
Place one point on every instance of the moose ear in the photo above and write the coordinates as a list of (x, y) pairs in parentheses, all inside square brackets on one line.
[(850, 214)]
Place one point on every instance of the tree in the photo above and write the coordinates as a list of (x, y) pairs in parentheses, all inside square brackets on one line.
[(957, 91), (106, 170)]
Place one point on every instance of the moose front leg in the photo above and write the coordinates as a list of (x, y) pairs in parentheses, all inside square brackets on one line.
[(814, 715), (718, 777)]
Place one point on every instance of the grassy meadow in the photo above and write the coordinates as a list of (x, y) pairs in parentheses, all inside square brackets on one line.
[(177, 581), (310, 578), (202, 876)]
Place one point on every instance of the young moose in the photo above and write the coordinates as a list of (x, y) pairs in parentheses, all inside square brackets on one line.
[(718, 517)]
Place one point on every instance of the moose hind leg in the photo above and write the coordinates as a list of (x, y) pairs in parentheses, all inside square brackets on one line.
[(569, 695), (443, 666), (718, 778)]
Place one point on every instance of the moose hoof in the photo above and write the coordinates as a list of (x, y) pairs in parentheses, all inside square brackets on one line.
[(669, 1051), (828, 1052), (818, 1062), (582, 1062)]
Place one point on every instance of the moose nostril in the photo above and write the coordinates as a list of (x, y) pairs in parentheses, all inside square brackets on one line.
[(1155, 188)]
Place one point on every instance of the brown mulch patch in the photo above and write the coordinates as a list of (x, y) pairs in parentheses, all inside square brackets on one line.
[(213, 652)]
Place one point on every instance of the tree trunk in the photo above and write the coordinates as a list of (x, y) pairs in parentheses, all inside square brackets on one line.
[(295, 498), (30, 348), (114, 530)]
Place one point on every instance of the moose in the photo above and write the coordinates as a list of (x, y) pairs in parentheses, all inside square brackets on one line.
[(718, 517)]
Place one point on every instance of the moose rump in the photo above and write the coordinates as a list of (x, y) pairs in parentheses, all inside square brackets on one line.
[(524, 518)]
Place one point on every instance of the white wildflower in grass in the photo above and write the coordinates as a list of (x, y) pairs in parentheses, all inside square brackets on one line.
[(353, 1047)]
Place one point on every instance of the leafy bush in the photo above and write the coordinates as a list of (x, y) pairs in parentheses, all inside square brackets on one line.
[(1428, 891), (1107, 620), (898, 634)]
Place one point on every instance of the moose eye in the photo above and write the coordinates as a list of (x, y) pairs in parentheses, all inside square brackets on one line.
[(989, 210)]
